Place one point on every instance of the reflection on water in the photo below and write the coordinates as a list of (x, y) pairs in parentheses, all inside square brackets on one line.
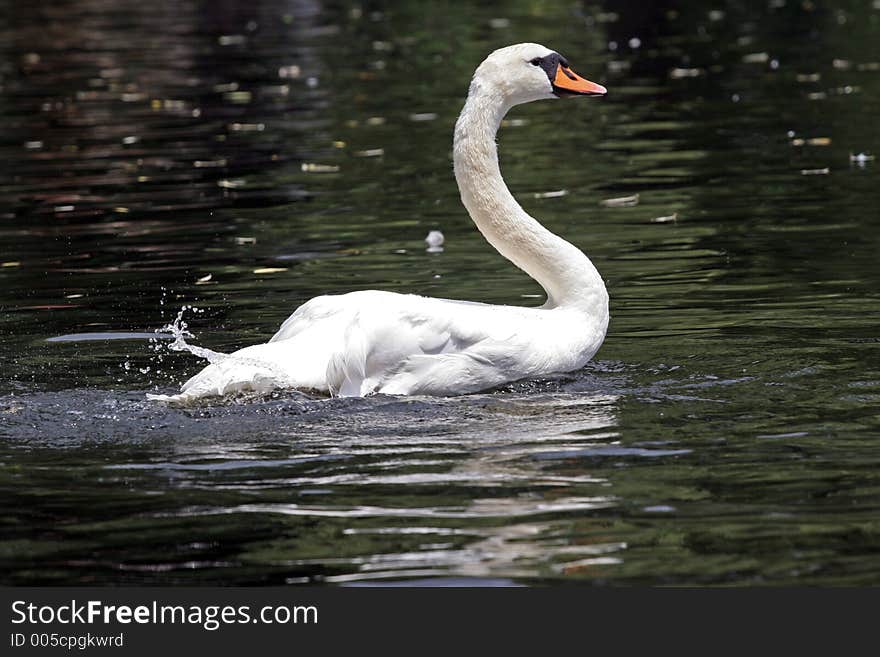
[(242, 158)]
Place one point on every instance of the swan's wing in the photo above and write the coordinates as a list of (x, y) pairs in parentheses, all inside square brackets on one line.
[(485, 365), (415, 345)]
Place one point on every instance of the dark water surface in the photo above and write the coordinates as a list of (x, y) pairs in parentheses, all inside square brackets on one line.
[(727, 432)]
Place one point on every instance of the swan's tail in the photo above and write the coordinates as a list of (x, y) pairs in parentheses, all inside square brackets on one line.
[(256, 369), (226, 378)]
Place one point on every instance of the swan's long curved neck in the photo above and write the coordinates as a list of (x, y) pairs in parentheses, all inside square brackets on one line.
[(565, 273)]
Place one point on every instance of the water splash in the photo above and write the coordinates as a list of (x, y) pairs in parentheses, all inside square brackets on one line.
[(179, 331)]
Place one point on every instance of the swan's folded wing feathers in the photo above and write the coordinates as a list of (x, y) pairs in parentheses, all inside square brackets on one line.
[(482, 366), (382, 340), (451, 350)]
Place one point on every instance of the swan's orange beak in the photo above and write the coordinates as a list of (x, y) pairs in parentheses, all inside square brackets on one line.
[(569, 83)]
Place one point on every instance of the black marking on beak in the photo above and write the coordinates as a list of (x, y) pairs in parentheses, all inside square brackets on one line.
[(550, 63)]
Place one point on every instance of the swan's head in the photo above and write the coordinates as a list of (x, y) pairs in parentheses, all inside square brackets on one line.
[(528, 71)]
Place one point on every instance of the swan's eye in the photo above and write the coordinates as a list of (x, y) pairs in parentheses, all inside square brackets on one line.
[(536, 61)]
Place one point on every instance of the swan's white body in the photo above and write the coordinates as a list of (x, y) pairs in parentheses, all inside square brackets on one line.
[(381, 342)]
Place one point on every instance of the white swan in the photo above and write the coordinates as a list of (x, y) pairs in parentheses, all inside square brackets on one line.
[(402, 344)]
